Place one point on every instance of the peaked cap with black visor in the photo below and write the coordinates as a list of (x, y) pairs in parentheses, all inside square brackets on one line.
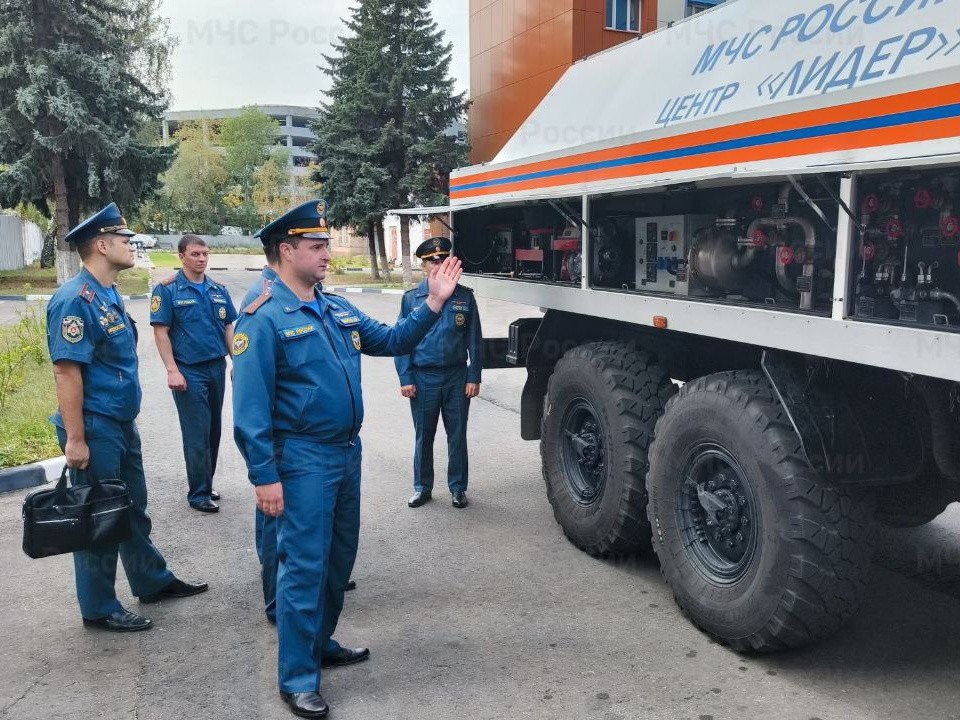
[(308, 220)]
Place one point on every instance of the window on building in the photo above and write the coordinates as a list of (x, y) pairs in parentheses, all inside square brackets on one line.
[(695, 6), (623, 15)]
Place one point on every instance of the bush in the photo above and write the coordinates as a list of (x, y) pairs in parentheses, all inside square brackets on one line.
[(28, 393), (27, 342)]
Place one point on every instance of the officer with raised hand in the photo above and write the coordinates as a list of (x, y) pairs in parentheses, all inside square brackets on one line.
[(265, 527), (298, 409), (93, 346), (439, 381), (192, 317)]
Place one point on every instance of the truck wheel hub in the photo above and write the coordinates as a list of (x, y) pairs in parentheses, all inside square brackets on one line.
[(583, 452)]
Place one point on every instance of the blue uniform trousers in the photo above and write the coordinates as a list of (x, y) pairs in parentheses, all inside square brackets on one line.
[(440, 392), (200, 408), (115, 453), (317, 542), (266, 539)]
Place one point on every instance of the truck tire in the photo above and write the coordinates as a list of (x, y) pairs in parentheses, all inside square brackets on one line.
[(600, 409), (759, 552)]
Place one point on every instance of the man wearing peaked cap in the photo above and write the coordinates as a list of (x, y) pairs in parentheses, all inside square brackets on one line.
[(439, 381), (298, 409), (93, 346), (265, 527)]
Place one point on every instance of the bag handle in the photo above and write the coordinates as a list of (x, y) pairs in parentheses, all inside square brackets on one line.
[(61, 489)]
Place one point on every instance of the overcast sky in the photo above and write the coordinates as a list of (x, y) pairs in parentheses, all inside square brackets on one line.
[(263, 52)]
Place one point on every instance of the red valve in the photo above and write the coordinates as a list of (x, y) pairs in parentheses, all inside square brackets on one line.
[(871, 203), (950, 227), (758, 203), (759, 239), (895, 228), (868, 251), (786, 255), (923, 199)]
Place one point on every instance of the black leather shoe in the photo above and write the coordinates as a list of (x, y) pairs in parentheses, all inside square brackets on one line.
[(345, 656), (460, 500), (207, 506), (420, 497), (121, 621), (306, 704), (176, 588), (352, 585), (214, 495)]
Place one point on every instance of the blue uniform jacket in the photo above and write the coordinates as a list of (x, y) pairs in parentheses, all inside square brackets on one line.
[(196, 320), (448, 344), (297, 374), (86, 326), (267, 276)]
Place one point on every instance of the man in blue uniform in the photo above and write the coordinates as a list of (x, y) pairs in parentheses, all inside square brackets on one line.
[(298, 409), (265, 527), (192, 318), (93, 346), (438, 380)]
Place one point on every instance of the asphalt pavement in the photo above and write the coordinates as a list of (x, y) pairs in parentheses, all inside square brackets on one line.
[(486, 612)]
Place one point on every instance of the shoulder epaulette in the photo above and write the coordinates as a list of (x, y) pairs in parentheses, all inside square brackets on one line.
[(87, 293), (169, 280), (258, 303)]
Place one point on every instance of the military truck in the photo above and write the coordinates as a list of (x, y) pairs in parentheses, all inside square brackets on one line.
[(743, 234)]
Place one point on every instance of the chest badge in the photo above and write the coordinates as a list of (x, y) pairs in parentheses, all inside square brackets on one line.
[(72, 329), (355, 336), (460, 319), (240, 344), (222, 312), (155, 303)]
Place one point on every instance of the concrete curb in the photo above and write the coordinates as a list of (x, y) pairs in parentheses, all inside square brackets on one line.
[(27, 476), (30, 298)]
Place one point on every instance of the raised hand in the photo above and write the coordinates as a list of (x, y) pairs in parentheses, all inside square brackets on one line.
[(443, 281)]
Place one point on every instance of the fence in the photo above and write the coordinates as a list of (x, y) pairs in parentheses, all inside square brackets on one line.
[(20, 243)]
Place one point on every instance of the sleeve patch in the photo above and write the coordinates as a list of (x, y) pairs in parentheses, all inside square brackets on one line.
[(155, 304), (222, 312), (72, 329), (240, 343)]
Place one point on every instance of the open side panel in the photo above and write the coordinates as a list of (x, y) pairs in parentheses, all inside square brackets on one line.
[(767, 244)]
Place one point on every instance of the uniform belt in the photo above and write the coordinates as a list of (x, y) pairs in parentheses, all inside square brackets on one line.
[(290, 435)]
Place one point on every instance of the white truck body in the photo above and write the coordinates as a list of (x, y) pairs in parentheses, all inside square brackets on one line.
[(752, 90)]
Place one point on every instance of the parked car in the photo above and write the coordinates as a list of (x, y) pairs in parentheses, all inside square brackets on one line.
[(147, 241)]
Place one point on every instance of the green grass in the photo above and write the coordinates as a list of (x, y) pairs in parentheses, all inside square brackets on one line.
[(26, 434), (164, 259), (43, 281)]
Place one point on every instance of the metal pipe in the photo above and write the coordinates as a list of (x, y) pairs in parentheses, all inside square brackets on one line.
[(936, 294), (810, 246)]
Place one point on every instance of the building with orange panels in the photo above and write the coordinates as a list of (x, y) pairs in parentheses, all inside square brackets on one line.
[(520, 48)]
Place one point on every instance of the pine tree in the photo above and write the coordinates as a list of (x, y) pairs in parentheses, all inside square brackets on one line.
[(384, 136), (79, 82)]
